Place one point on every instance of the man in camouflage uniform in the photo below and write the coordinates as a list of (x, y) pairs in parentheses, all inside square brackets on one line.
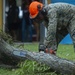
[(59, 19)]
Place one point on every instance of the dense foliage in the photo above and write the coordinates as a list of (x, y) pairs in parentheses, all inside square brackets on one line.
[(6, 37)]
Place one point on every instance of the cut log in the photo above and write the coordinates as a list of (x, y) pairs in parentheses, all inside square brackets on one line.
[(59, 65), (12, 56)]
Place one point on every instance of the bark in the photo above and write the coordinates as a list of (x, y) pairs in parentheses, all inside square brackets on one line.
[(59, 65), (8, 56), (12, 56)]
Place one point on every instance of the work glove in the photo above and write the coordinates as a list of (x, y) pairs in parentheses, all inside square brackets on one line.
[(48, 50), (42, 48)]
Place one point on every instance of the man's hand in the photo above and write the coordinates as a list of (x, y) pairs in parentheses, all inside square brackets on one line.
[(47, 50)]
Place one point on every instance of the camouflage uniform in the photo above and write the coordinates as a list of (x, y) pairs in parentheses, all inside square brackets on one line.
[(61, 21)]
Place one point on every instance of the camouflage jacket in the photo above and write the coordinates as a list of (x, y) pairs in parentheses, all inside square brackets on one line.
[(59, 15)]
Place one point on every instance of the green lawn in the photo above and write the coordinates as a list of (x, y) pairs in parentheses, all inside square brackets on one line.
[(33, 68)]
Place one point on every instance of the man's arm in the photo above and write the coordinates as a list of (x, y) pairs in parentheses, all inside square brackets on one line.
[(50, 40)]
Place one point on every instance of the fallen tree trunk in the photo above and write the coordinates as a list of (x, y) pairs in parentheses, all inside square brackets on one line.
[(11, 56), (58, 64)]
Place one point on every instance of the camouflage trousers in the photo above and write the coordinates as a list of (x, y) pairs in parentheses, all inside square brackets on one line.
[(70, 28)]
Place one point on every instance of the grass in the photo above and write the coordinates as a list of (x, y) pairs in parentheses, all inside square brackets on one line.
[(33, 68)]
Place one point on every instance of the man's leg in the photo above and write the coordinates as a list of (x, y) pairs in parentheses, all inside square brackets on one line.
[(61, 34), (71, 29)]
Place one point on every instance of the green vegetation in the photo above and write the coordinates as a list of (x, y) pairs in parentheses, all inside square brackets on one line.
[(33, 68)]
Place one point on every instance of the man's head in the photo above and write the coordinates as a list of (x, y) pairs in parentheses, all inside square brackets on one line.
[(35, 10)]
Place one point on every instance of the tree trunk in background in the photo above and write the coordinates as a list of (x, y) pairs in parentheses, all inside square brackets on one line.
[(12, 56)]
